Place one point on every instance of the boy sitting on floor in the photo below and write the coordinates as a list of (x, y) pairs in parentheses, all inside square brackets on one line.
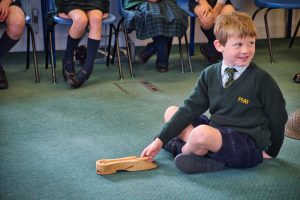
[(247, 109)]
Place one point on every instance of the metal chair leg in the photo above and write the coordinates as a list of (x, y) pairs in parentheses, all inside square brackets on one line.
[(268, 35), (181, 54), (294, 35), (109, 44), (188, 52), (28, 46), (30, 35), (53, 64), (118, 52), (256, 12), (36, 67), (128, 53)]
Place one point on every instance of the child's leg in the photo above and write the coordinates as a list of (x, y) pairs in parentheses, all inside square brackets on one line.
[(95, 23), (202, 139), (76, 31), (190, 156), (15, 25), (199, 140), (162, 50)]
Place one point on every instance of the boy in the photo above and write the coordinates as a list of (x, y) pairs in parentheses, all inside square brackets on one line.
[(13, 16), (247, 109)]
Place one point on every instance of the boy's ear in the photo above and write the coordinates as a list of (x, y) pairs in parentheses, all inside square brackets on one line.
[(218, 46)]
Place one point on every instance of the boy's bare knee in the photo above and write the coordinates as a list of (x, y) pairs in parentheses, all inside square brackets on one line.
[(199, 135)]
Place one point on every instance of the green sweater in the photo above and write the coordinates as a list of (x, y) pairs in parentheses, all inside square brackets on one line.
[(253, 104)]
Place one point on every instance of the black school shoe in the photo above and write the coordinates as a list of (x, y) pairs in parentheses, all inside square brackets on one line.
[(3, 80), (68, 74), (193, 164), (78, 80), (297, 78)]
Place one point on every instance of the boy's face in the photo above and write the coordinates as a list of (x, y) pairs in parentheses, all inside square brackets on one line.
[(237, 51)]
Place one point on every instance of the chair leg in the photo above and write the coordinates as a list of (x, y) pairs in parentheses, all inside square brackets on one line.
[(30, 34), (181, 54), (188, 53), (36, 67), (28, 46), (128, 53), (118, 52), (115, 45), (192, 36), (53, 63), (268, 34), (109, 44), (47, 49), (294, 35), (256, 12)]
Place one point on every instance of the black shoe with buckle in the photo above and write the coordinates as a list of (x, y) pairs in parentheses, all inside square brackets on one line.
[(68, 70), (79, 79), (161, 68), (297, 78), (3, 80)]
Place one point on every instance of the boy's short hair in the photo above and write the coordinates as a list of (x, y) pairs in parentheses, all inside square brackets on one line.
[(234, 24)]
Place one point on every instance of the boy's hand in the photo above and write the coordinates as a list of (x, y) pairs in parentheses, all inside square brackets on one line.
[(152, 149), (266, 156)]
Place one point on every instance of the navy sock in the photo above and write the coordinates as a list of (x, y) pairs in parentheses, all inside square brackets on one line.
[(71, 45), (6, 43), (92, 49)]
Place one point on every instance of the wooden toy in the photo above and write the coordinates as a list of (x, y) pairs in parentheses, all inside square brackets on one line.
[(131, 163)]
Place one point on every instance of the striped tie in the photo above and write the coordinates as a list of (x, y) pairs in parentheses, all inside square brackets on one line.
[(230, 73)]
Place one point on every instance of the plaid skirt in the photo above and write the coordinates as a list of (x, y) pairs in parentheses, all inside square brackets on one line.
[(164, 18)]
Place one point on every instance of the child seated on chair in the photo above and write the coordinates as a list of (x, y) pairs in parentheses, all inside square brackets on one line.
[(83, 13), (13, 16), (247, 109), (207, 11), (160, 20)]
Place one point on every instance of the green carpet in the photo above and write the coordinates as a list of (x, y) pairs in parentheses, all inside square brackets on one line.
[(51, 136)]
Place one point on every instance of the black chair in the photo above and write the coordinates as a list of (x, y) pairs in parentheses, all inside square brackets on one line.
[(52, 19), (30, 36), (275, 4), (121, 27), (184, 4)]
